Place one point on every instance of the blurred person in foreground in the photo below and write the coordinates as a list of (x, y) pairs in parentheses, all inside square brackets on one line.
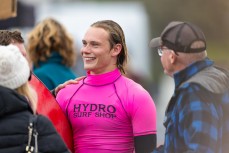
[(46, 103), (109, 113), (52, 52), (197, 116), (14, 37), (18, 104)]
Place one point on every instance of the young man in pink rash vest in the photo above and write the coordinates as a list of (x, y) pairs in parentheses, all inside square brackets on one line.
[(108, 112)]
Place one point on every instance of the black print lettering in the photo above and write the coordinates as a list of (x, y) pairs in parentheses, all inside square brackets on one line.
[(102, 107), (82, 114), (77, 108), (94, 107), (105, 115), (97, 110), (85, 106), (111, 109)]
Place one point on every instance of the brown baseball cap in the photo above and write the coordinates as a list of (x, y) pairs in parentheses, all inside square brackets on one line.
[(181, 37)]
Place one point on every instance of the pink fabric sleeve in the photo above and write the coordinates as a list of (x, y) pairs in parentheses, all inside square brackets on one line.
[(143, 113)]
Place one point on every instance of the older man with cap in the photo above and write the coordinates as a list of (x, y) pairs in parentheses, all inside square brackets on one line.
[(197, 116)]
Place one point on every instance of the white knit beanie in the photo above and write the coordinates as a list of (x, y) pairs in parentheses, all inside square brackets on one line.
[(14, 68)]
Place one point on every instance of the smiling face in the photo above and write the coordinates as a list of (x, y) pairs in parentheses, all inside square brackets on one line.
[(98, 56)]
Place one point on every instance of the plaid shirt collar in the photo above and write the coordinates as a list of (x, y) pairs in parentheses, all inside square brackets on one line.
[(191, 70)]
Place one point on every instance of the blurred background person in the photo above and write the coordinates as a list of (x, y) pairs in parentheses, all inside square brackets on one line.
[(14, 37), (52, 52), (45, 99), (18, 104)]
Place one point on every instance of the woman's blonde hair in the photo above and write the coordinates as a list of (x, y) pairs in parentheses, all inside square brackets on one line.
[(51, 36), (31, 95)]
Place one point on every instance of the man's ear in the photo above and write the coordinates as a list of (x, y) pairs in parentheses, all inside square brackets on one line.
[(116, 49), (172, 57)]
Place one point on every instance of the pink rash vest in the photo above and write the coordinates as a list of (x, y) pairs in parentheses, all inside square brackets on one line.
[(106, 112)]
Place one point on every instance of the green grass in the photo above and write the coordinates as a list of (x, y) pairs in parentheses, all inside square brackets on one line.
[(219, 52)]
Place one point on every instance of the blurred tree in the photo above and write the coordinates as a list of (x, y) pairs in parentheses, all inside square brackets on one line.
[(211, 16)]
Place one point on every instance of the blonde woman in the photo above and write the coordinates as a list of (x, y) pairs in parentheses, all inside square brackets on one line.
[(52, 51), (18, 104)]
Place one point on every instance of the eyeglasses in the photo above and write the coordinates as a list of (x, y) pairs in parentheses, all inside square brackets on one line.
[(160, 50)]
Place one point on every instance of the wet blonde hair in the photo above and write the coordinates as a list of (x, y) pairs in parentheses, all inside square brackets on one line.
[(49, 36), (31, 95)]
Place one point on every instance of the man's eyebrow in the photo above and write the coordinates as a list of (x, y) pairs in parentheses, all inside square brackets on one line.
[(91, 42)]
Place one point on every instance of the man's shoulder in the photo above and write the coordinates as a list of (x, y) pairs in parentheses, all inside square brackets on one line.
[(211, 78), (129, 83), (131, 88)]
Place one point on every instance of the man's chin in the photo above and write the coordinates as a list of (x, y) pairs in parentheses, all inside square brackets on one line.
[(168, 74)]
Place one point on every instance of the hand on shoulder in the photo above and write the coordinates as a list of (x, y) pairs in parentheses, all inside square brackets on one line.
[(61, 86)]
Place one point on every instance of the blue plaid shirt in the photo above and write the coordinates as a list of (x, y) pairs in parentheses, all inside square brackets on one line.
[(197, 116)]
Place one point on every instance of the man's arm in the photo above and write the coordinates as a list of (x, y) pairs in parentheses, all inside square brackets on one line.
[(198, 119), (145, 143), (143, 115)]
